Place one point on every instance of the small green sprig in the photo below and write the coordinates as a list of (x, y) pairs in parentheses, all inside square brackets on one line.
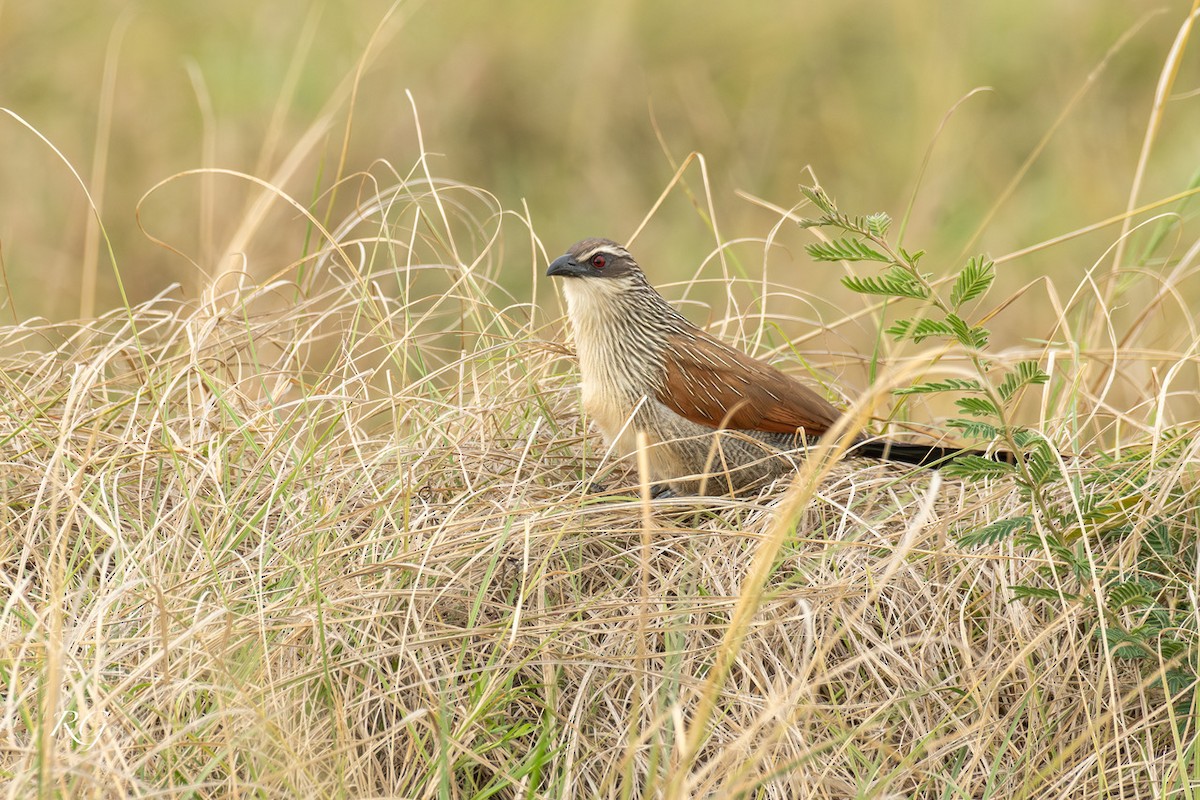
[(1148, 618), (987, 399)]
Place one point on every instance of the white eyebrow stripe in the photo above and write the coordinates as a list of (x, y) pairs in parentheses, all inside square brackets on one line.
[(619, 252)]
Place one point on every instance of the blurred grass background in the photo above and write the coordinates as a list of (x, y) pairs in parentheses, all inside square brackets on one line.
[(557, 106)]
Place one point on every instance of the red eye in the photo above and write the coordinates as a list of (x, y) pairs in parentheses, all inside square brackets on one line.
[(598, 262)]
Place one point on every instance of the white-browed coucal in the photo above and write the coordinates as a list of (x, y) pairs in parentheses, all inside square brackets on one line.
[(716, 420)]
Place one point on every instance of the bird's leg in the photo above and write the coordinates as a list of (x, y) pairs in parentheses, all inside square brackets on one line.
[(661, 490)]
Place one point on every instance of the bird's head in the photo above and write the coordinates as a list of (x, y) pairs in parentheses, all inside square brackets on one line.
[(597, 260), (605, 286)]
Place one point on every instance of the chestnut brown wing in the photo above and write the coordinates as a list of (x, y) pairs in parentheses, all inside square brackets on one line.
[(712, 384)]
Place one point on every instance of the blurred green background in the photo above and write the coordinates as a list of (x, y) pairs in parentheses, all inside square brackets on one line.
[(560, 107)]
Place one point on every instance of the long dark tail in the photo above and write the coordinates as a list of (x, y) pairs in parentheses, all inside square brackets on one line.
[(921, 455)]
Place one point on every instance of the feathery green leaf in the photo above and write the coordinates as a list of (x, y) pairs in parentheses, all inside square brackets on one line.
[(911, 258), (977, 407), (1127, 593), (970, 336), (816, 195), (1126, 645), (974, 467), (995, 532), (1024, 373), (1042, 462), (1024, 436), (921, 330), (1040, 593), (845, 249), (975, 279), (878, 224), (948, 385), (894, 282)]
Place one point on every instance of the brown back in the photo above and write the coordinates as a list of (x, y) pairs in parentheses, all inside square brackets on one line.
[(710, 383)]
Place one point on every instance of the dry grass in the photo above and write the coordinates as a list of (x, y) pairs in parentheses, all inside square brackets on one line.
[(320, 530), (327, 537)]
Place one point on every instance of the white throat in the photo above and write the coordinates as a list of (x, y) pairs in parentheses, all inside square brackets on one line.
[(613, 384), (593, 305)]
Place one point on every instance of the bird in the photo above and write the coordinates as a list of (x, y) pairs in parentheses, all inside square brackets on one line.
[(715, 420)]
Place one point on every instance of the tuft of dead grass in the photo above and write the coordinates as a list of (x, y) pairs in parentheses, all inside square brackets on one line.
[(327, 536)]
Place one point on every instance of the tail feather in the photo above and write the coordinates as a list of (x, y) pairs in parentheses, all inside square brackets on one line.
[(922, 455)]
